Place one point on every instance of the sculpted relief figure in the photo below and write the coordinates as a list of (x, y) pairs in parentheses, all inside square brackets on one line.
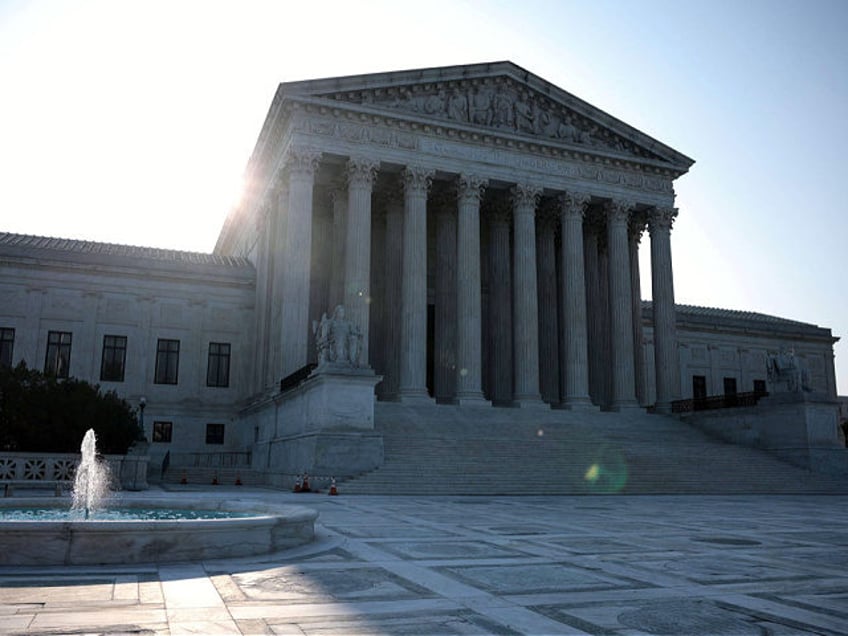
[(481, 107), (458, 106), (338, 340), (784, 368), (505, 106)]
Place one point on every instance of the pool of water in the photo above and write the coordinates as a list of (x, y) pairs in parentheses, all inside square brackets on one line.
[(116, 514)]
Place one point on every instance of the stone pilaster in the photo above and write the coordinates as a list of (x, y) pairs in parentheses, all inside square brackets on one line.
[(301, 164), (361, 173), (574, 332), (548, 312), (413, 349), (469, 387), (525, 303), (662, 287), (500, 300), (621, 312), (635, 229)]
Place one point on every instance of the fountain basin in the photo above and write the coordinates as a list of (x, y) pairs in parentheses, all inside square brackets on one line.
[(266, 529)]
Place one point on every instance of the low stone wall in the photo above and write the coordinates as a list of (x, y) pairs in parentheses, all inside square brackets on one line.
[(799, 428), (128, 472)]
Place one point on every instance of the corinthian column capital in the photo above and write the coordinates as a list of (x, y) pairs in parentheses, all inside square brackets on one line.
[(661, 219), (470, 187), (525, 196), (362, 170), (618, 210), (574, 203), (417, 178), (302, 161)]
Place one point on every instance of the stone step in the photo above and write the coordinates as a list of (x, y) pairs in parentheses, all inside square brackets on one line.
[(443, 450)]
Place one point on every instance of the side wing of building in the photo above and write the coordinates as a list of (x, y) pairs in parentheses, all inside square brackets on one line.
[(164, 325)]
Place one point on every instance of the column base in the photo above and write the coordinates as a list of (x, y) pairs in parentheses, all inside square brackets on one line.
[(530, 403), (578, 404), (626, 406), (663, 408), (472, 399), (415, 396)]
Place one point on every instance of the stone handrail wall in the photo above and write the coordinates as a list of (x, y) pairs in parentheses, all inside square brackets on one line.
[(127, 471)]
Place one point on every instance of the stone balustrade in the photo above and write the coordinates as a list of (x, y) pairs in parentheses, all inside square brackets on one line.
[(128, 472)]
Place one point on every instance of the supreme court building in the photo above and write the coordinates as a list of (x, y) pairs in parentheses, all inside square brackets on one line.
[(481, 228)]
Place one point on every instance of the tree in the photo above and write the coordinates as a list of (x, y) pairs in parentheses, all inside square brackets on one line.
[(39, 413)]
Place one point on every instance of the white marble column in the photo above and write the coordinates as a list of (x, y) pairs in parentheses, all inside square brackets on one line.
[(525, 303), (635, 229), (361, 173), (500, 302), (413, 348), (574, 329), (279, 216), (469, 382), (339, 196), (393, 267), (621, 313), (444, 345), (548, 311), (300, 165), (662, 288), (593, 314), (261, 344)]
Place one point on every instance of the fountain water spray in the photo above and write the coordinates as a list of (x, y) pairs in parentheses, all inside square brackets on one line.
[(91, 483)]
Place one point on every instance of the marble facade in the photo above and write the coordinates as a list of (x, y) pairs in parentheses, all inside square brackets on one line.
[(509, 207), (481, 228)]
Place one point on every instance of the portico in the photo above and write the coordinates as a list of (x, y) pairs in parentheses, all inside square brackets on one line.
[(481, 227)]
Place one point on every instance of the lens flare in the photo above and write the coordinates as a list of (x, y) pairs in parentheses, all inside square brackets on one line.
[(606, 471)]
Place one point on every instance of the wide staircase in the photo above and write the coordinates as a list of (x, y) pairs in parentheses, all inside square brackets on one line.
[(447, 450)]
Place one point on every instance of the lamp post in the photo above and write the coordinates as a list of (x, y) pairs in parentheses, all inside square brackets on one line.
[(142, 402)]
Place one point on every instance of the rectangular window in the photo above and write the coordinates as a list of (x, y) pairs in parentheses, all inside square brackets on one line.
[(729, 386), (114, 358), (162, 432), (218, 368), (214, 433), (57, 362), (7, 344), (699, 387), (760, 387), (167, 361)]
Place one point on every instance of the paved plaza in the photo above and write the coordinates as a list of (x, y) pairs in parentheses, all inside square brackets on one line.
[(732, 565)]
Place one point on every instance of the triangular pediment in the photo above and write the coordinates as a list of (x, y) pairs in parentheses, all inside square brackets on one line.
[(500, 98)]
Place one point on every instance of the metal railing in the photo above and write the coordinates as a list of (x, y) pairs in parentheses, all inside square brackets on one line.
[(711, 402)]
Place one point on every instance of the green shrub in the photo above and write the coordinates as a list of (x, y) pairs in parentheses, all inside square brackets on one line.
[(39, 413)]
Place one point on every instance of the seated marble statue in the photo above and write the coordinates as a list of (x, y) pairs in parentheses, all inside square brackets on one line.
[(338, 340), (784, 368)]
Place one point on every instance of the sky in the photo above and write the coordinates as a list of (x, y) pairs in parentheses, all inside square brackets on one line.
[(132, 121)]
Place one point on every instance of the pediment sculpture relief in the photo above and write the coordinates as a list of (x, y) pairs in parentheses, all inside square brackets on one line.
[(502, 105)]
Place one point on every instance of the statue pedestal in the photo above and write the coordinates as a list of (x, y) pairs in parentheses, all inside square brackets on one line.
[(799, 427), (323, 426)]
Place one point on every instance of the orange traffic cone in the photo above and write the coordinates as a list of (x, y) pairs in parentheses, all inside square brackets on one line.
[(333, 490)]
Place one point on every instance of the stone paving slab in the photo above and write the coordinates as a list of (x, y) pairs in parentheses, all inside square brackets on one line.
[(689, 565)]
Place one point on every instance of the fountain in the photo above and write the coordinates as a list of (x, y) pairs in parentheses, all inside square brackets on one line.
[(35, 532), (91, 482)]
